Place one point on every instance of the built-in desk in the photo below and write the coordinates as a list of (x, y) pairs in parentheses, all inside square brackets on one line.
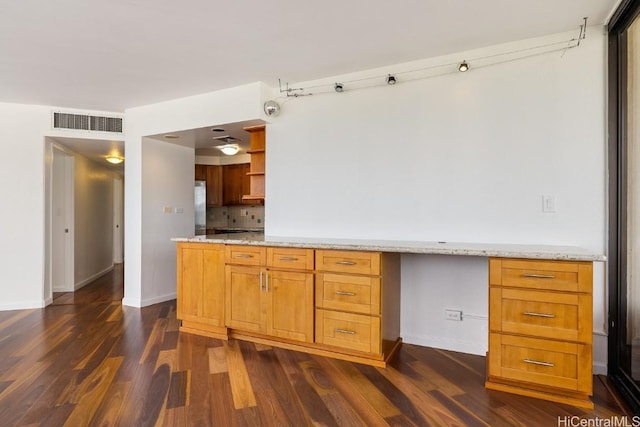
[(540, 302)]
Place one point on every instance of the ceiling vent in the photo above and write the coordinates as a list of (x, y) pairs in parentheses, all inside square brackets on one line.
[(87, 122)]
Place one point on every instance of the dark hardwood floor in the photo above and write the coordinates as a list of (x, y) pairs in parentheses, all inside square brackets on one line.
[(88, 361)]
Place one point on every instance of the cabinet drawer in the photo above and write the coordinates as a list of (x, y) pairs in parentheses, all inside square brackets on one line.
[(299, 259), (360, 294), (548, 363), (534, 274), (562, 316), (350, 331), (245, 255), (348, 262)]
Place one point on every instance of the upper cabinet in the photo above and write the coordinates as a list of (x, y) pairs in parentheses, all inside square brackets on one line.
[(201, 172), (258, 156), (214, 186), (226, 185), (235, 184)]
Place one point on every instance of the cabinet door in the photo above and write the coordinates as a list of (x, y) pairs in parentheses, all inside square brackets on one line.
[(290, 303), (200, 172), (214, 185), (244, 302), (245, 183), (200, 291), (235, 183)]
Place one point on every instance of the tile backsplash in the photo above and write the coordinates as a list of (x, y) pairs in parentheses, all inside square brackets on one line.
[(231, 217)]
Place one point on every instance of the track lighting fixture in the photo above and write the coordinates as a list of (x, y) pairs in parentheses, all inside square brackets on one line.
[(463, 66), (338, 87), (391, 80), (271, 108)]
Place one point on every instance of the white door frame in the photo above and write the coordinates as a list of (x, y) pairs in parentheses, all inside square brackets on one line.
[(61, 220)]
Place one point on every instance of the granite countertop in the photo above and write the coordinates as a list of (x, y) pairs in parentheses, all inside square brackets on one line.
[(571, 253)]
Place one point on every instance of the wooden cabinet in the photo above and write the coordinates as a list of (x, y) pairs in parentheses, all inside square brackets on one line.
[(350, 314), (540, 329), (257, 171), (343, 304), (235, 184), (268, 293), (200, 172), (200, 288), (214, 185)]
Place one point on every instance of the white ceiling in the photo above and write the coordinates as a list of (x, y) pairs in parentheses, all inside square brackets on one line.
[(116, 54)]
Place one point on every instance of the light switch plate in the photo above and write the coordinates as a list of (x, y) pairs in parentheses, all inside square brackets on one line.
[(548, 203)]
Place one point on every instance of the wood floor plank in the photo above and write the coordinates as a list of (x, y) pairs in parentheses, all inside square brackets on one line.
[(222, 407), (241, 387), (360, 404), (92, 392), (109, 413), (218, 360)]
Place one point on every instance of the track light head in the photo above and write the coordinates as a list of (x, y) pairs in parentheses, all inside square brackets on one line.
[(463, 66), (338, 87), (391, 80)]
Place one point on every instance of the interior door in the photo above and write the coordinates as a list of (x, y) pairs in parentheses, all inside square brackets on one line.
[(62, 222)]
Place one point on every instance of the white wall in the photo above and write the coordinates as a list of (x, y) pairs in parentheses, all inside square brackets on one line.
[(159, 174), (22, 216), (459, 157)]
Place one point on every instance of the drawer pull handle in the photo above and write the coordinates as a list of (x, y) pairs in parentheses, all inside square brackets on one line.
[(261, 281), (539, 276), (244, 256), (345, 263), (347, 294), (535, 362), (288, 258), (345, 331), (534, 314)]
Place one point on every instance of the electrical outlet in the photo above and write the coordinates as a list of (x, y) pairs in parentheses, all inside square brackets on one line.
[(453, 315), (244, 212), (179, 210), (167, 209)]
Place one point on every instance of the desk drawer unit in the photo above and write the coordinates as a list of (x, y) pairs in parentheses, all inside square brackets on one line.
[(540, 321), (358, 302)]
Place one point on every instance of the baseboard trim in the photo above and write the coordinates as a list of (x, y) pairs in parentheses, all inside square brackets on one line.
[(23, 305), (92, 278), (158, 299)]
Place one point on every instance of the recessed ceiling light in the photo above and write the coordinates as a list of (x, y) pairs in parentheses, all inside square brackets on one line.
[(171, 136), (229, 149), (114, 159), (217, 130)]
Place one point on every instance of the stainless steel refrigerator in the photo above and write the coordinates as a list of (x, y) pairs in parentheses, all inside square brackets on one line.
[(200, 198)]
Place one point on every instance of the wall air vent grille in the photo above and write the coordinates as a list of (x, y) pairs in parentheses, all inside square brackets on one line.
[(87, 122)]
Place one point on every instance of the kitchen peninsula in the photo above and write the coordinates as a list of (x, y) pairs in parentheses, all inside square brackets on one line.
[(341, 298)]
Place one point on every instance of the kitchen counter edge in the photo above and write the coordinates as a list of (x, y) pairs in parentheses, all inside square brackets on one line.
[(560, 253)]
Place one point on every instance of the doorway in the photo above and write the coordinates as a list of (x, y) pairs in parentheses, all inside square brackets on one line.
[(624, 201)]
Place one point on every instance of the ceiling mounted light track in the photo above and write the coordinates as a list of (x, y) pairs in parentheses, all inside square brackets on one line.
[(439, 69)]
